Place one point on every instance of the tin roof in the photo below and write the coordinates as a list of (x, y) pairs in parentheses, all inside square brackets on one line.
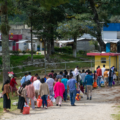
[(103, 54)]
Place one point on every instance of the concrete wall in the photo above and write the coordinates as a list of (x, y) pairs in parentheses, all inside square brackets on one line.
[(113, 61), (109, 34), (85, 46)]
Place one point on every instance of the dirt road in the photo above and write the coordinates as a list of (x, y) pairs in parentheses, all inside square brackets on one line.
[(100, 108)]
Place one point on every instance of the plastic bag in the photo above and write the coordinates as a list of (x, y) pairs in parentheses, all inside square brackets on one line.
[(39, 102), (52, 99), (49, 102), (95, 84), (81, 93), (26, 109)]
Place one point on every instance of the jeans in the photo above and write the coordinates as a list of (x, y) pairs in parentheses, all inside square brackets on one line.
[(110, 81), (98, 81), (72, 96), (51, 91), (44, 100), (32, 102), (65, 95)]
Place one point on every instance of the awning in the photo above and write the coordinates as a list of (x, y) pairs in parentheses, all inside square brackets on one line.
[(22, 41)]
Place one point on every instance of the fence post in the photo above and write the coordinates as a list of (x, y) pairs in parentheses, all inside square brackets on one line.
[(45, 65), (65, 66), (91, 65)]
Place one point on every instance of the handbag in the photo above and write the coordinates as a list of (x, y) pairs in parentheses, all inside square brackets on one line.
[(26, 109)]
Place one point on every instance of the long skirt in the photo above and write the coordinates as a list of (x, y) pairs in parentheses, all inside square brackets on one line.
[(6, 102), (13, 89), (21, 102)]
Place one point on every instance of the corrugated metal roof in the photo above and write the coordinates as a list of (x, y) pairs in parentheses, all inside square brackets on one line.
[(112, 27)]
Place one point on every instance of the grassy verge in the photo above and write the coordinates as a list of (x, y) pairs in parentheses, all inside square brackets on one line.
[(116, 116)]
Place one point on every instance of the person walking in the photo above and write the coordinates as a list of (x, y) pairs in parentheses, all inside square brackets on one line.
[(13, 84), (72, 85), (89, 83), (60, 75), (99, 73), (50, 81), (23, 78), (30, 94), (36, 85), (76, 72), (28, 76), (64, 81), (44, 91), (6, 98), (51, 73), (22, 97), (59, 90)]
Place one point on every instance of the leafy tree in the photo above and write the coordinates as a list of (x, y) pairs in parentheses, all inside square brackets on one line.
[(75, 28)]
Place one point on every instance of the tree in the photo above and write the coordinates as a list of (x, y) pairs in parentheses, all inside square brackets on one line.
[(75, 28)]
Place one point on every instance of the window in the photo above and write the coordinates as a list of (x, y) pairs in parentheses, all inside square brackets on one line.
[(14, 43), (103, 60)]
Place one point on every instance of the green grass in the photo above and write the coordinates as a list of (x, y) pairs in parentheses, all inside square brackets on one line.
[(116, 116), (18, 60)]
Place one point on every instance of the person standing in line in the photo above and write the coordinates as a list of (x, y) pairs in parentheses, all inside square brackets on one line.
[(83, 75), (36, 85), (60, 75), (6, 98), (64, 81), (99, 73), (13, 84), (95, 79), (52, 73), (22, 97), (30, 94), (59, 90), (29, 76), (89, 83), (50, 81), (72, 85), (76, 71), (106, 77), (103, 70), (110, 74), (44, 91), (23, 78)]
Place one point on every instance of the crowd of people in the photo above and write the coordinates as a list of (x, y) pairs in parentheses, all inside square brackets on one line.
[(56, 85)]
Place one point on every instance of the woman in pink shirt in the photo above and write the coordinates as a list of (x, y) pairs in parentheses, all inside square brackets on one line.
[(59, 89)]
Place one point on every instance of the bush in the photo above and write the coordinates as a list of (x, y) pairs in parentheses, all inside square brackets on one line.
[(64, 49), (24, 52), (81, 52), (15, 52)]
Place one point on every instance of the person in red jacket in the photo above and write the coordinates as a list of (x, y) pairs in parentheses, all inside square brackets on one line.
[(13, 84), (99, 73)]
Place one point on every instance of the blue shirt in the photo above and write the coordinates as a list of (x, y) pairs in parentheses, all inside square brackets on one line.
[(64, 81), (71, 83), (45, 79), (23, 80), (88, 80)]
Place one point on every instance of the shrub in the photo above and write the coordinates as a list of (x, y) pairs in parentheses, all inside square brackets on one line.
[(24, 52), (64, 49), (82, 52), (15, 52)]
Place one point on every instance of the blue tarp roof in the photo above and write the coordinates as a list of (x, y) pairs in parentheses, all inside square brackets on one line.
[(112, 27)]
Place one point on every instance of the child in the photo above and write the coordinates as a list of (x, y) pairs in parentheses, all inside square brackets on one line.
[(13, 85), (6, 99)]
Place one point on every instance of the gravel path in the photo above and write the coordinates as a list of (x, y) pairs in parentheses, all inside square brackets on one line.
[(100, 108)]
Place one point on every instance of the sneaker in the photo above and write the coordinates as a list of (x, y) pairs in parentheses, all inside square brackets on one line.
[(74, 105)]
